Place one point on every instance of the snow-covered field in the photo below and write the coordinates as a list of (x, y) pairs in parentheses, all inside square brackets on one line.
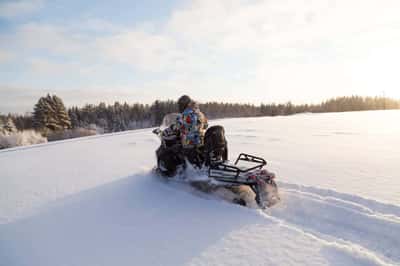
[(93, 201)]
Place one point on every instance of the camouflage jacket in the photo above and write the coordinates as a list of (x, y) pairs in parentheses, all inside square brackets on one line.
[(192, 125)]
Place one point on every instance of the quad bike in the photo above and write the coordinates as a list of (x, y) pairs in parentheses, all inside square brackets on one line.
[(212, 158)]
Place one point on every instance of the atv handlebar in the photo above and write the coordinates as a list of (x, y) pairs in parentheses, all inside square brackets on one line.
[(157, 131)]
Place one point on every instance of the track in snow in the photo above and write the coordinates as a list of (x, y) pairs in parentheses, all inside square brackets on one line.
[(347, 221), (367, 231)]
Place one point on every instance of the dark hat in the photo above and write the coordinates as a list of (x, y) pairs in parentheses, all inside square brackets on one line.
[(183, 102)]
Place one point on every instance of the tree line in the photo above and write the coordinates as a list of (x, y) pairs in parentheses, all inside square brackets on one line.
[(50, 116)]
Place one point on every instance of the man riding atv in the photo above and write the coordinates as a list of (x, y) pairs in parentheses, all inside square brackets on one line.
[(191, 125), (187, 140)]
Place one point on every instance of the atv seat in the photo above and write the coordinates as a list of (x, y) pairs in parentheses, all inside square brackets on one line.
[(215, 145)]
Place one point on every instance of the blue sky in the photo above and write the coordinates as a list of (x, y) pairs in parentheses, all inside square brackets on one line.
[(237, 51), (122, 12)]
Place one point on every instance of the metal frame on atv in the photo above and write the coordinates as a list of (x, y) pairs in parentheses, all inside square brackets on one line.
[(256, 180)]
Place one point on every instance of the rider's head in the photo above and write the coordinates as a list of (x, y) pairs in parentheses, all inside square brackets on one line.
[(183, 102)]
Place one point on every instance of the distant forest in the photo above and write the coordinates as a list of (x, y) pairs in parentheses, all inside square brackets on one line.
[(51, 120), (50, 115)]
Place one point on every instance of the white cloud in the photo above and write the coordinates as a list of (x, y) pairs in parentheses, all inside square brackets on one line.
[(146, 51), (247, 51), (18, 8), (40, 66), (54, 39), (6, 56)]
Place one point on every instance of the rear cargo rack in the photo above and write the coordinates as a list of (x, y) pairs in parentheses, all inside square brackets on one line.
[(231, 172)]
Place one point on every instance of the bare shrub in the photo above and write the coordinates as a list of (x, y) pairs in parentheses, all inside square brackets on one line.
[(20, 138), (70, 134)]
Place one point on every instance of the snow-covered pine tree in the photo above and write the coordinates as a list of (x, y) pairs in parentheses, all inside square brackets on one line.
[(50, 114), (156, 112), (9, 126), (2, 131), (40, 114), (63, 119), (74, 117)]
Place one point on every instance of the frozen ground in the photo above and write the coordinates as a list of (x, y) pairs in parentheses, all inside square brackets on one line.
[(93, 201)]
